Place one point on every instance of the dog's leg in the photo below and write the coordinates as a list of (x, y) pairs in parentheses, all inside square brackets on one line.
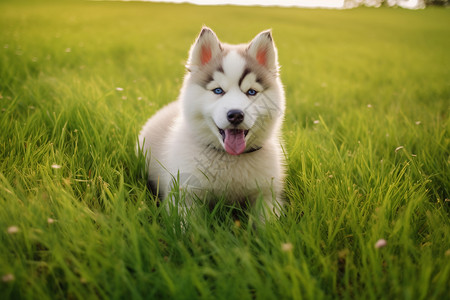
[(268, 206)]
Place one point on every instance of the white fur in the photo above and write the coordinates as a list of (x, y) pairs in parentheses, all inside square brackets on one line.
[(233, 65), (183, 137)]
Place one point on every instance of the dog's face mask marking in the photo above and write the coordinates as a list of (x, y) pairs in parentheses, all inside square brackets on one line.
[(232, 92)]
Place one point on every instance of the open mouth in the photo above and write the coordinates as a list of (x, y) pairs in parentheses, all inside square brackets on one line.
[(234, 140)]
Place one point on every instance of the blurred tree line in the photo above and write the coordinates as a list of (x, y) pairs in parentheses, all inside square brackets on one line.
[(401, 3), (437, 2)]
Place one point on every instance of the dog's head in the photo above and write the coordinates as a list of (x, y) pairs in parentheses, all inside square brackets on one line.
[(232, 96)]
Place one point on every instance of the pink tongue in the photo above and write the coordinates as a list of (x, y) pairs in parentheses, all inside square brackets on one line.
[(234, 141)]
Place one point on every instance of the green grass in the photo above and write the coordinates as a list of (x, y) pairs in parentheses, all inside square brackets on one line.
[(374, 79)]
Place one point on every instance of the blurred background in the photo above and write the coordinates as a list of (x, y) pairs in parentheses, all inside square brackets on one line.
[(410, 4)]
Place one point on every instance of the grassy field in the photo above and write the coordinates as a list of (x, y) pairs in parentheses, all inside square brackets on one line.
[(366, 134)]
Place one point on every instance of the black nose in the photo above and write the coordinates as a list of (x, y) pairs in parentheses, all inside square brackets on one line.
[(235, 116)]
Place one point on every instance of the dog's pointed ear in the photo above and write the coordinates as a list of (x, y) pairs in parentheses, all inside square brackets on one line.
[(262, 48), (206, 47)]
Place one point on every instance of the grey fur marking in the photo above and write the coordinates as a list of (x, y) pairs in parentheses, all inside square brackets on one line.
[(204, 75)]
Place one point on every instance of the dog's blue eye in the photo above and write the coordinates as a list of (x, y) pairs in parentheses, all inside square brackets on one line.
[(218, 91), (251, 92)]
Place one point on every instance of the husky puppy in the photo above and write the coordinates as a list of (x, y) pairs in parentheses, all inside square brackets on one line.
[(221, 138)]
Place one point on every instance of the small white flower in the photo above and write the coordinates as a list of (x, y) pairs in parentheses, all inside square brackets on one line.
[(13, 229), (369, 105), (287, 247), (380, 243), (316, 122), (56, 166), (139, 98), (51, 221), (399, 148), (418, 122), (119, 89), (8, 277)]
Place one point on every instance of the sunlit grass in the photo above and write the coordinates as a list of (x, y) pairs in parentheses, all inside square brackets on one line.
[(366, 134)]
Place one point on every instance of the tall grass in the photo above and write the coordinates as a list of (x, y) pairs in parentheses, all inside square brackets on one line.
[(366, 135)]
